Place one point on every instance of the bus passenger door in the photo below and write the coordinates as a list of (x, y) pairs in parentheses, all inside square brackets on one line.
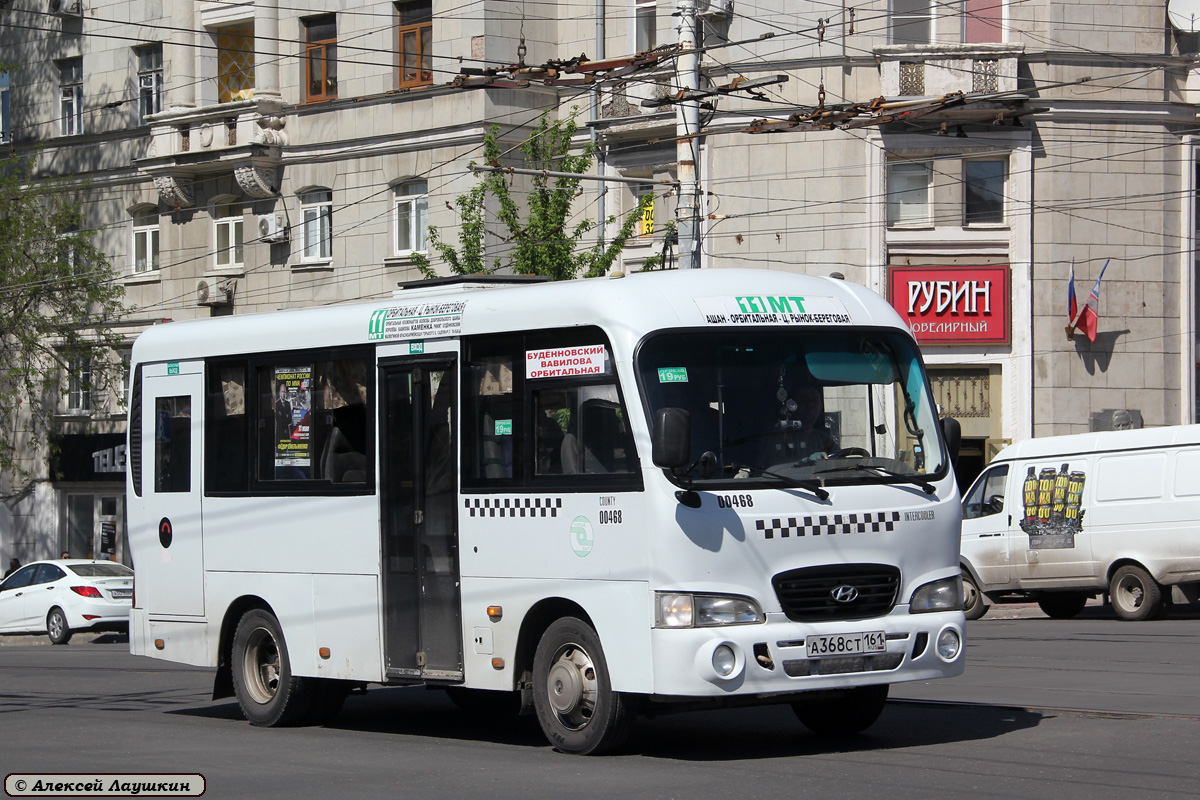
[(173, 402), (422, 623)]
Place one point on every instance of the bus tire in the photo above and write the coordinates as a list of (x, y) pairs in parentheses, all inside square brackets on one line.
[(1134, 595), (973, 605), (1062, 605), (576, 707), (56, 626), (269, 695), (848, 712)]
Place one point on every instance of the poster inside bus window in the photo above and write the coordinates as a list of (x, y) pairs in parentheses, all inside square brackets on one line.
[(293, 414)]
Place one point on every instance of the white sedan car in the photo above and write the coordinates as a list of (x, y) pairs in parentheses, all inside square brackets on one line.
[(66, 595)]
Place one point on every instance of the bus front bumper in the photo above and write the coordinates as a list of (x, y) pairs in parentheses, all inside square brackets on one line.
[(773, 657)]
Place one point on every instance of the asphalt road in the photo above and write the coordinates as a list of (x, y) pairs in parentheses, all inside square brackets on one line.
[(1087, 708)]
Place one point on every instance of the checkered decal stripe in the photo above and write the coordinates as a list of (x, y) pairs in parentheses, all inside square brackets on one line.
[(513, 506), (785, 527)]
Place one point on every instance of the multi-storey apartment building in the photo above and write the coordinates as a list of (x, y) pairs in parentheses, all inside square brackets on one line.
[(235, 157)]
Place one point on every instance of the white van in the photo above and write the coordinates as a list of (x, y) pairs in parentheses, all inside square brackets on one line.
[(1062, 519)]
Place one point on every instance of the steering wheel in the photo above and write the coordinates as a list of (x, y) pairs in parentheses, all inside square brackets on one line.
[(849, 451)]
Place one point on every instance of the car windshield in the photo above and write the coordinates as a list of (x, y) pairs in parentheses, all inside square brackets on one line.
[(100, 570), (781, 404)]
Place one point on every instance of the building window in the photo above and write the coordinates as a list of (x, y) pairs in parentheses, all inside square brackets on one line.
[(911, 21), (126, 359), (316, 208), (5, 124), (150, 80), (145, 240), (983, 192), (68, 249), (415, 38), (646, 24), (70, 85), (908, 193), (412, 216), (645, 223), (228, 224), (79, 385), (983, 21), (235, 63), (320, 58)]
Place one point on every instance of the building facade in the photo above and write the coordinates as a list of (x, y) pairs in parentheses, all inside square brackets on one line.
[(240, 157)]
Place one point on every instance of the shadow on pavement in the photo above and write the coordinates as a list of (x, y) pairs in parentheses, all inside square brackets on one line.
[(723, 735)]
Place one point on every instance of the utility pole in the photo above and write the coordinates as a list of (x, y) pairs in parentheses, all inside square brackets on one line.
[(687, 129)]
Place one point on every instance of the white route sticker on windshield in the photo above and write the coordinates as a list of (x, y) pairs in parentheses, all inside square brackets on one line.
[(773, 310)]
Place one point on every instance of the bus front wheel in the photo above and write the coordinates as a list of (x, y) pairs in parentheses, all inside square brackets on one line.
[(266, 690), (576, 706)]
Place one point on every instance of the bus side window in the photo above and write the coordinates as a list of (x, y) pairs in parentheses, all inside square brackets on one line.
[(490, 411), (312, 421), (225, 456), (173, 444), (595, 438)]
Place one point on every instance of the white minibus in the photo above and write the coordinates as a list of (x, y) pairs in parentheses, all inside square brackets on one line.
[(588, 499), (1062, 519)]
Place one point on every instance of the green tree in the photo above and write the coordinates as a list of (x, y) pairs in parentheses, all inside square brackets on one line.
[(538, 238), (57, 302)]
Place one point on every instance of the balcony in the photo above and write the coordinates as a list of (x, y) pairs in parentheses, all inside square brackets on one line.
[(243, 138), (936, 70)]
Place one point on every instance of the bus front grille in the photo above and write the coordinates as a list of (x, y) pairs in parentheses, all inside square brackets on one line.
[(839, 591)]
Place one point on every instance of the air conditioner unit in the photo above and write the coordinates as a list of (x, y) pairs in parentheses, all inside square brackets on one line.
[(66, 8), (272, 228), (215, 294)]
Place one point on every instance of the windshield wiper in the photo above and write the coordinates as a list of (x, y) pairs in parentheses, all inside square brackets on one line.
[(809, 484), (908, 477)]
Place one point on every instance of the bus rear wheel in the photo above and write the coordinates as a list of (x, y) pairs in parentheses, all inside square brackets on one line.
[(845, 713), (266, 690), (576, 706)]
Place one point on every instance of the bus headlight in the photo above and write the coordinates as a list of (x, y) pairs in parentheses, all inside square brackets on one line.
[(683, 610), (943, 595)]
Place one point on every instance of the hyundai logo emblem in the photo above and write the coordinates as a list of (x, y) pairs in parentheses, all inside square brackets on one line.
[(844, 594)]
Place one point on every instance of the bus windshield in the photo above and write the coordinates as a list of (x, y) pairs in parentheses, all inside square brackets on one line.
[(777, 405)]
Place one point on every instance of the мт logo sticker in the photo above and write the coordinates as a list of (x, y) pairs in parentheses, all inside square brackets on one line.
[(582, 537)]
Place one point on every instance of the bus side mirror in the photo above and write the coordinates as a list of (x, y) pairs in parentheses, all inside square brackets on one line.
[(952, 431), (671, 439)]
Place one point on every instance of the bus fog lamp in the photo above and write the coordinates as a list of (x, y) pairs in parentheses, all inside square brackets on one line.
[(724, 660), (949, 644)]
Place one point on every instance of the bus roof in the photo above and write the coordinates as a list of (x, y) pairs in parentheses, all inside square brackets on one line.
[(627, 307)]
